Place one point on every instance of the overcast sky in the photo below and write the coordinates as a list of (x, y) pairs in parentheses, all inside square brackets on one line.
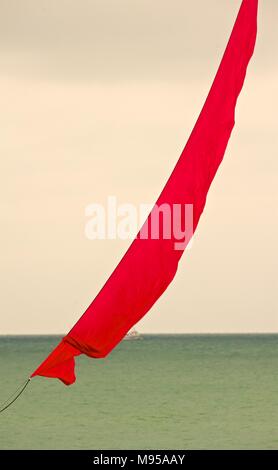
[(98, 98)]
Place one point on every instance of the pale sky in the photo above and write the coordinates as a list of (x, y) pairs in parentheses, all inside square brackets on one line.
[(98, 98)]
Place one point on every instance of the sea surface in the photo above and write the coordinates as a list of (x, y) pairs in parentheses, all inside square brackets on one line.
[(161, 392)]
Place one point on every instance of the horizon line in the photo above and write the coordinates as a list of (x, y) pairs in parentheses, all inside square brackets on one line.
[(157, 333)]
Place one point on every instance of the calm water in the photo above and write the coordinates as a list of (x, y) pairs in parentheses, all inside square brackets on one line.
[(188, 391)]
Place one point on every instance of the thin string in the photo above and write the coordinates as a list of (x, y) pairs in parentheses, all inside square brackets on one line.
[(11, 400)]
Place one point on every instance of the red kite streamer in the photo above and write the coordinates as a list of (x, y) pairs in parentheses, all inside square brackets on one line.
[(149, 265)]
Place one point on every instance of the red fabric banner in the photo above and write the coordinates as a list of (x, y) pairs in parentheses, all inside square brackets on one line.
[(149, 265)]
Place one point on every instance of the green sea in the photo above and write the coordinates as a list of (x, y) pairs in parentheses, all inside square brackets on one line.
[(163, 392)]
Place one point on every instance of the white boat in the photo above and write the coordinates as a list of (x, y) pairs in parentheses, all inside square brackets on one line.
[(132, 335)]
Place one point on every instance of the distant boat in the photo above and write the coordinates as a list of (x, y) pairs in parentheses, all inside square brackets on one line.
[(132, 335)]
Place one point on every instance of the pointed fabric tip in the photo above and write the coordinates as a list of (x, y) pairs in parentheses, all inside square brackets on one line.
[(59, 364), (149, 265)]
